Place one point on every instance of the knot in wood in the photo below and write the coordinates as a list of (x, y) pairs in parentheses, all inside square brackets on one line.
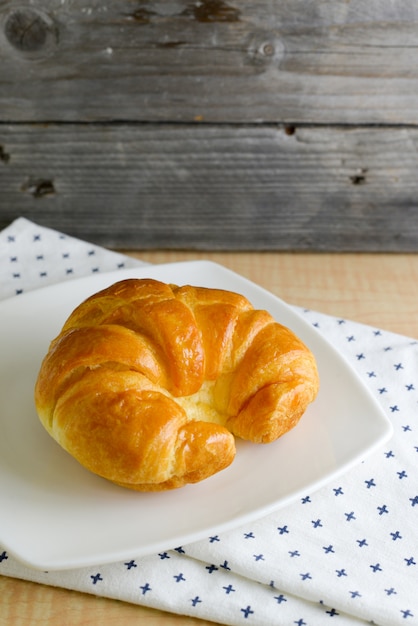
[(29, 30), (264, 49)]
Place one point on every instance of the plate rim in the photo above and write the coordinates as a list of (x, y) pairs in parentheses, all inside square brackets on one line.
[(107, 278)]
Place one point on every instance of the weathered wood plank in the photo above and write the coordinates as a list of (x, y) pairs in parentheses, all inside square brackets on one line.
[(210, 187), (287, 61)]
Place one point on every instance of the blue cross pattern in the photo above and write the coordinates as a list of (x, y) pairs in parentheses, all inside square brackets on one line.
[(145, 588), (351, 546), (96, 578)]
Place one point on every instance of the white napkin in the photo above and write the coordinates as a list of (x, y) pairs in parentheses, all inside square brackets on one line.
[(346, 554)]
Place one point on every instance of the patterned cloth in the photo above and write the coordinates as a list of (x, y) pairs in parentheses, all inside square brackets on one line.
[(346, 554)]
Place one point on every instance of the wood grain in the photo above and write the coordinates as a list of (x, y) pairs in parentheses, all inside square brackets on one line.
[(215, 187), (214, 60), (263, 125)]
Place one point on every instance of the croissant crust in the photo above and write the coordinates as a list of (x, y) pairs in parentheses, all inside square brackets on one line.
[(148, 384)]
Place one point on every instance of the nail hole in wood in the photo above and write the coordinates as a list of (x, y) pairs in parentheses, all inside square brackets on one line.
[(264, 49), (359, 178), (4, 156), (39, 188), (268, 50)]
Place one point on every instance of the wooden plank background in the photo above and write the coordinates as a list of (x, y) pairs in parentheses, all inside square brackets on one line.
[(212, 124)]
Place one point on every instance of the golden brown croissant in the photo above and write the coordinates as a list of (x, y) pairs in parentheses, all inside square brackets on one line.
[(147, 383)]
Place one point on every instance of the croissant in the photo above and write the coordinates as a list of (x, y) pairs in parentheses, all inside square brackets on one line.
[(148, 383)]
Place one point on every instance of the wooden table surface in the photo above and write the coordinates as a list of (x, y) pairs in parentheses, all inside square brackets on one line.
[(376, 289)]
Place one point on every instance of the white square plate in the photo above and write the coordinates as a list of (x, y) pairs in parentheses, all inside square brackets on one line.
[(57, 515)]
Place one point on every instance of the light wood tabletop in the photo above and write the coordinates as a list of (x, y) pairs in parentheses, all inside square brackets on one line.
[(376, 289)]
